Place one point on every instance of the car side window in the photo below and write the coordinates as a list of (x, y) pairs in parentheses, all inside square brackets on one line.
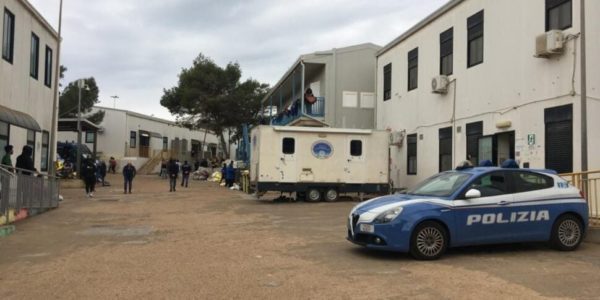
[(492, 184), (527, 182)]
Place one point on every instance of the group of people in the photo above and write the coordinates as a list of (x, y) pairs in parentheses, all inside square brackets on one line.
[(91, 173), (228, 174), (172, 168), (24, 163)]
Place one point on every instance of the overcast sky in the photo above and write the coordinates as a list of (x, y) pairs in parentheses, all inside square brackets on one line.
[(135, 48)]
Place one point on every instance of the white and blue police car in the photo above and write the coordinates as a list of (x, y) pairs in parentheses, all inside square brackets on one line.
[(473, 206)]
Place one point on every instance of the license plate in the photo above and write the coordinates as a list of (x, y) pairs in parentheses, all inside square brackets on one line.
[(369, 228)]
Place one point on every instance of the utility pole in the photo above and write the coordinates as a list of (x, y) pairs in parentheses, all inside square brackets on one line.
[(115, 97), (80, 85), (52, 156)]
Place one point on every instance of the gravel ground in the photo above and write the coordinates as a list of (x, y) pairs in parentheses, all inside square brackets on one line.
[(207, 242)]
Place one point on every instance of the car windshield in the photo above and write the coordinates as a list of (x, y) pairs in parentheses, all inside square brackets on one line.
[(440, 185)]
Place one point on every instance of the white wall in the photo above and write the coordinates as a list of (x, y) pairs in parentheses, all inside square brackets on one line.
[(18, 90), (510, 85)]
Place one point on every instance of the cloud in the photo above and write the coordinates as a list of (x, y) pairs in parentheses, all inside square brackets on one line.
[(136, 48)]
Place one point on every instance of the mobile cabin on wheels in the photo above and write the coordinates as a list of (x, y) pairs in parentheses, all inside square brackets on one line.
[(319, 163)]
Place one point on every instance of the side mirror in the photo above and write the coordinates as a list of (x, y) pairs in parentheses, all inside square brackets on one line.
[(472, 194)]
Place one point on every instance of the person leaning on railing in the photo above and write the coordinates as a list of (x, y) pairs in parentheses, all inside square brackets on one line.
[(25, 162)]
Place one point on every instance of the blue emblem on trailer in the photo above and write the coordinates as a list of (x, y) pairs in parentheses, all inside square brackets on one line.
[(322, 149)]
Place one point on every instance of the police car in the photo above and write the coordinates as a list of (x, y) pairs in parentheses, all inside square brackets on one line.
[(473, 206)]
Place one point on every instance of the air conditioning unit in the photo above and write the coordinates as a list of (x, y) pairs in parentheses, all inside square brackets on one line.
[(397, 137), (439, 84), (549, 43)]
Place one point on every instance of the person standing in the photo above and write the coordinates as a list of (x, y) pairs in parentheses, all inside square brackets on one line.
[(102, 172), (186, 169), (88, 174), (112, 165), (223, 174), (128, 175), (6, 159), (173, 173), (25, 162), (229, 175)]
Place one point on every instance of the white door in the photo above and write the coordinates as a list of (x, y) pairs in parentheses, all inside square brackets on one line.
[(355, 160)]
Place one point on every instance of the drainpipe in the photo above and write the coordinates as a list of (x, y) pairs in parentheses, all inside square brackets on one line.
[(453, 122), (294, 88), (584, 140), (53, 133), (302, 85)]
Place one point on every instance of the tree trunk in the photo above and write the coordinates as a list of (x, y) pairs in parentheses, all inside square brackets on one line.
[(225, 150)]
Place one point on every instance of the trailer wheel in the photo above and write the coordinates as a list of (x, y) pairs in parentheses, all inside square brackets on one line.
[(313, 195), (331, 195)]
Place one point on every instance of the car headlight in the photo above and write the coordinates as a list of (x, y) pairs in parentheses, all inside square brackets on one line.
[(388, 215)]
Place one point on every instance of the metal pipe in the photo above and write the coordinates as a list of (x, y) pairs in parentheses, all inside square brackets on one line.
[(453, 123), (584, 139), (271, 110), (52, 156), (302, 85), (80, 84)]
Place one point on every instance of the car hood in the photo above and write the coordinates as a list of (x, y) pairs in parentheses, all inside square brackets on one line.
[(381, 204)]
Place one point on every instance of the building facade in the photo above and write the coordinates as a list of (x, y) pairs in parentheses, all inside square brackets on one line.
[(340, 85), (131, 136), (491, 80), (28, 70)]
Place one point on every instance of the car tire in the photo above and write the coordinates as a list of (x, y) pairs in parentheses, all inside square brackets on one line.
[(313, 195), (331, 195), (429, 241), (567, 233)]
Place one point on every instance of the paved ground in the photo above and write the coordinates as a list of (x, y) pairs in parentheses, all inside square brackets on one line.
[(207, 242)]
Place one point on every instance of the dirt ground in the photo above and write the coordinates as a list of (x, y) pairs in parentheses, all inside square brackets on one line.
[(206, 242)]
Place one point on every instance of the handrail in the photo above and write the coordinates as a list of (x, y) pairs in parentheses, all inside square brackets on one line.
[(10, 169)]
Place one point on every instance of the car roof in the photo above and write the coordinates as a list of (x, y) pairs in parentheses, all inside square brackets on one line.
[(482, 170)]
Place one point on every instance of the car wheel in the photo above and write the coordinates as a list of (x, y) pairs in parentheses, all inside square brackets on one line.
[(567, 233), (429, 241), (331, 195), (313, 195)]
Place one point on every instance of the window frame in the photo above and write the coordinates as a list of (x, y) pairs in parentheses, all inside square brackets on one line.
[(447, 38), (387, 82), (284, 147), (5, 137), (475, 31), (413, 64), (10, 56), (508, 185), (353, 147), (45, 151), (444, 134), (31, 143), (553, 4), (132, 139), (34, 57), (165, 141), (87, 137), (409, 141), (515, 180), (48, 67)]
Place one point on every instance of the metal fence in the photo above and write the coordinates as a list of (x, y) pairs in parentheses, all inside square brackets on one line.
[(589, 184), (20, 190)]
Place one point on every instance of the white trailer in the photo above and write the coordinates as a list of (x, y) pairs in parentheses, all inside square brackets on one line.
[(319, 163)]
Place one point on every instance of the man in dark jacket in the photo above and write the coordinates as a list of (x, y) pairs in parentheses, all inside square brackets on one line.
[(88, 174), (25, 162), (186, 169), (229, 175), (128, 174), (173, 173)]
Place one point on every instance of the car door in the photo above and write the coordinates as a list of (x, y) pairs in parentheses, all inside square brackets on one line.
[(483, 220)]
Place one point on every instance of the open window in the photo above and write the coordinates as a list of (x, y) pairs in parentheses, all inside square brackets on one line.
[(356, 148), (288, 146)]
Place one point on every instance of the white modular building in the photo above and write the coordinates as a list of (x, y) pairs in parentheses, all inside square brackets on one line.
[(28, 71), (492, 80), (130, 136)]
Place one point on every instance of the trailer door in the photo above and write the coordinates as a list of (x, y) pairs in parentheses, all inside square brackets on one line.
[(287, 161), (355, 169)]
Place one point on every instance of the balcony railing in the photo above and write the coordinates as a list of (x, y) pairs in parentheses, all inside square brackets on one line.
[(316, 110), (589, 184)]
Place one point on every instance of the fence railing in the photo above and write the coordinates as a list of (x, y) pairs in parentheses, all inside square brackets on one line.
[(20, 190), (589, 184)]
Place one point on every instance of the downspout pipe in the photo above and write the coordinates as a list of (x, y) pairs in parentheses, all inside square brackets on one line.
[(584, 138), (302, 86), (53, 133)]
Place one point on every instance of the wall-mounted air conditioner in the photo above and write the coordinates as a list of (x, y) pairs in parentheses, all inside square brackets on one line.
[(439, 84), (397, 138), (549, 44)]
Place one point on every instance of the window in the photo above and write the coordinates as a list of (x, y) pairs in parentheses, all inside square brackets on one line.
[(31, 141), (288, 146), (34, 56), (387, 82), (440, 185), (89, 137), (413, 69), (446, 51), (48, 67), (411, 156), (45, 148), (8, 36), (559, 14), (132, 139), (4, 134), (475, 39), (474, 132), (165, 143), (527, 182), (445, 158), (356, 148), (491, 184)]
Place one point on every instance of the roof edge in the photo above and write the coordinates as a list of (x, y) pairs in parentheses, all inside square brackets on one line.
[(40, 18)]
